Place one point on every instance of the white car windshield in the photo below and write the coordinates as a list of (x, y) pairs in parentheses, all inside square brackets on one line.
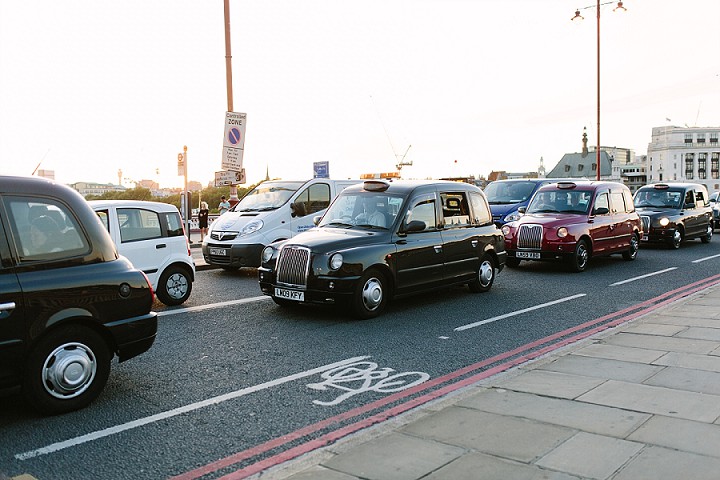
[(365, 209), (267, 196)]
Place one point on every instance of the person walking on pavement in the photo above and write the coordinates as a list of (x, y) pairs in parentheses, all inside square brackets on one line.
[(203, 215), (224, 205)]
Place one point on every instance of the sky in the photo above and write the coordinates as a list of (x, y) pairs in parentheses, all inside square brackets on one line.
[(457, 87)]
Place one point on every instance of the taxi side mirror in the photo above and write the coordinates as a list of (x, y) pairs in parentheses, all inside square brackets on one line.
[(601, 211), (415, 226)]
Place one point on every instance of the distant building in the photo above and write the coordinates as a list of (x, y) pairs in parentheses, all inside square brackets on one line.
[(685, 154), (49, 174), (503, 175), (194, 186), (92, 188)]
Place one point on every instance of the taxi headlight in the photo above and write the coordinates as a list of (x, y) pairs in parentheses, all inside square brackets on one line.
[(562, 232), (336, 261), (664, 222), (506, 230), (252, 227), (267, 254)]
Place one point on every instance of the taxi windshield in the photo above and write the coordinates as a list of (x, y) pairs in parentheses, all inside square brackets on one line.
[(560, 201), (363, 209), (658, 198)]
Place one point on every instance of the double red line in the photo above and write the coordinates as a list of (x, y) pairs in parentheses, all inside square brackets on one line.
[(454, 380)]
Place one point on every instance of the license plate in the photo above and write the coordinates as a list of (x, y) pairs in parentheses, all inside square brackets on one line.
[(290, 294), (220, 252), (530, 255)]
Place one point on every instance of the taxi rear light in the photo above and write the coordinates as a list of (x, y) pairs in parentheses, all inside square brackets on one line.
[(152, 292)]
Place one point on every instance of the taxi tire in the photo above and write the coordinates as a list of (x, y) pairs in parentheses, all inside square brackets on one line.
[(370, 296), (631, 253), (44, 355), (676, 239), (485, 275), (708, 235), (174, 274), (581, 256)]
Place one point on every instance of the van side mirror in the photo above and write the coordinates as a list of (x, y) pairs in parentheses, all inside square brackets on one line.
[(297, 209), (316, 219)]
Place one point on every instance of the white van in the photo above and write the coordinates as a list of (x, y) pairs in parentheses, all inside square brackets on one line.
[(274, 210)]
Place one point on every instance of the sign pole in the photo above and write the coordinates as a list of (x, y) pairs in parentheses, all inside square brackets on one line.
[(228, 79), (188, 209)]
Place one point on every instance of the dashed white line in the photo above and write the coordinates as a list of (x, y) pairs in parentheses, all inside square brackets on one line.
[(643, 276), (179, 411), (518, 312), (212, 305), (706, 258)]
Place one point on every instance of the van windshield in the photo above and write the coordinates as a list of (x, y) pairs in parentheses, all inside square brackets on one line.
[(267, 196), (505, 193)]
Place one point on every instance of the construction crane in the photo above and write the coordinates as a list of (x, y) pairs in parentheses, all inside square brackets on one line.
[(402, 161)]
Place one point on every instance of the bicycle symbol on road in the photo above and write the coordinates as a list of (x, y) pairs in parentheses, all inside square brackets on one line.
[(358, 377)]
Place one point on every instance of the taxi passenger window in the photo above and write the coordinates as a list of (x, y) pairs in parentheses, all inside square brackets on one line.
[(480, 210), (602, 202), (700, 199), (456, 212), (618, 202), (689, 199)]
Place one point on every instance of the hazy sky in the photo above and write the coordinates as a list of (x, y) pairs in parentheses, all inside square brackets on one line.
[(90, 87)]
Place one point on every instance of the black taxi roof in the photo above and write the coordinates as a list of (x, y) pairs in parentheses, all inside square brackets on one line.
[(408, 186)]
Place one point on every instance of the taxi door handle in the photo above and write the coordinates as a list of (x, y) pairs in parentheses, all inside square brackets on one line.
[(160, 245), (474, 243), (438, 248), (7, 306)]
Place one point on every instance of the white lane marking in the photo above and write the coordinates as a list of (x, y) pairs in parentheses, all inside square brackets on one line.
[(179, 411), (706, 258), (212, 305), (643, 276), (518, 312)]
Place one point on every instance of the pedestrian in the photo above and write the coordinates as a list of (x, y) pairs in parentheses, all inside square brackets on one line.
[(224, 205), (203, 215)]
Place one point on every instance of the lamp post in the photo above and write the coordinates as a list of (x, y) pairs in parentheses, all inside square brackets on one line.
[(580, 17)]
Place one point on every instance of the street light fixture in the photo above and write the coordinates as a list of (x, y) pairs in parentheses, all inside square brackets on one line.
[(580, 17)]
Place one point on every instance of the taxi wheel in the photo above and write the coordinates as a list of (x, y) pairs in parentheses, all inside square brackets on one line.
[(66, 370), (708, 235), (631, 253), (174, 286), (485, 275), (370, 296), (676, 239), (580, 258)]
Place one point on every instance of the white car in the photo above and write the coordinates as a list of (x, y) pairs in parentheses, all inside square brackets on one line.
[(151, 235)]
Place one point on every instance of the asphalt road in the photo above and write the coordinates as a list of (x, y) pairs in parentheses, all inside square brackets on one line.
[(235, 384)]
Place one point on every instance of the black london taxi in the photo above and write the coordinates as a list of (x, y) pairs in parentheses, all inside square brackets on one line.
[(381, 239), (674, 212), (68, 301), (573, 221)]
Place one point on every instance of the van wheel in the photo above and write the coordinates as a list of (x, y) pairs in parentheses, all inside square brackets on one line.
[(174, 286), (485, 275), (370, 296), (66, 370)]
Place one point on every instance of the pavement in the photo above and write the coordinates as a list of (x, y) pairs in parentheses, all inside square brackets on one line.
[(196, 251), (637, 401)]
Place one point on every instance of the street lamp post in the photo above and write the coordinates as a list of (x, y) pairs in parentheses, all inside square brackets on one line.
[(580, 17)]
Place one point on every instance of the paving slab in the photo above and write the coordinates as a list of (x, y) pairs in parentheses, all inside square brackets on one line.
[(687, 379), (702, 333), (657, 463), (394, 456), (321, 473), (668, 344), (665, 330), (602, 368), (591, 456), (553, 384), (688, 360), (692, 310), (659, 400), (616, 352), (503, 436), (567, 413), (477, 466), (680, 434), (685, 321)]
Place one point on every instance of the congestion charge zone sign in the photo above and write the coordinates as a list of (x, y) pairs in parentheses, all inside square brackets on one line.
[(233, 141)]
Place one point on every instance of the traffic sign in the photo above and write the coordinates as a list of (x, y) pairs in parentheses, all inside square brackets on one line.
[(233, 141), (224, 178), (321, 169), (181, 164)]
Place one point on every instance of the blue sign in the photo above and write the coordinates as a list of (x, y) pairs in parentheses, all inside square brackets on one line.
[(234, 135), (321, 169)]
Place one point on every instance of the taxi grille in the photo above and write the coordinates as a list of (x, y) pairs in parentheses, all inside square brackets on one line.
[(530, 236), (293, 265), (645, 223)]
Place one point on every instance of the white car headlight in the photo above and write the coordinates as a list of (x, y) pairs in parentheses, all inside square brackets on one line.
[(514, 216), (664, 222), (336, 261), (251, 227), (267, 254), (562, 232), (506, 230)]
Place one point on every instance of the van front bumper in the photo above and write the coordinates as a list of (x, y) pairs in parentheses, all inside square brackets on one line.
[(232, 255)]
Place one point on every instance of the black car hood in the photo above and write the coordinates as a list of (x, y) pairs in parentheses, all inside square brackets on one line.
[(657, 212), (328, 239)]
